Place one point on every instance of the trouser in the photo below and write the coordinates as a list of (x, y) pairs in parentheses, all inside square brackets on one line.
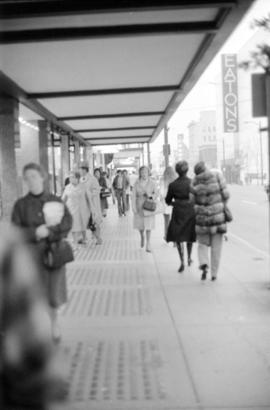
[(121, 201), (215, 245)]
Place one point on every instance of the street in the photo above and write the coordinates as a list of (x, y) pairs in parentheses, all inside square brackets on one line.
[(250, 226)]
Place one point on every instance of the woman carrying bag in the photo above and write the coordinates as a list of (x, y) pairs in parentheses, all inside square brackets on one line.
[(144, 190), (45, 222)]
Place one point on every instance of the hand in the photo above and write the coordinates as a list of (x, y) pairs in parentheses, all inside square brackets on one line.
[(42, 232)]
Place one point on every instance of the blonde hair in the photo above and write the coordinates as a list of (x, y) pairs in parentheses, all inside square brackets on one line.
[(141, 168), (169, 175)]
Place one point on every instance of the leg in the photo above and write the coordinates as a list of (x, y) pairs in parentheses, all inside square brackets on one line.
[(166, 224), (97, 234), (216, 248), (124, 205), (180, 249), (56, 334), (142, 238), (189, 250), (148, 236), (118, 198), (84, 237), (127, 202), (203, 259)]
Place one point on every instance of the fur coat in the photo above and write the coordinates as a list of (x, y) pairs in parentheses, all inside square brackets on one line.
[(210, 192)]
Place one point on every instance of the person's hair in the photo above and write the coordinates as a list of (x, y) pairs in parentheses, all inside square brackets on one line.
[(85, 167), (141, 168), (181, 168), (75, 174), (199, 168), (35, 167), (169, 175), (97, 170)]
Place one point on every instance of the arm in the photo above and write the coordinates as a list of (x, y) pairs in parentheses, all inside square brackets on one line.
[(169, 196), (18, 220), (223, 188), (133, 199)]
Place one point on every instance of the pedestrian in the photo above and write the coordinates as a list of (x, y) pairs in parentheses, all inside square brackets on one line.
[(92, 186), (29, 377), (144, 188), (46, 221), (210, 195), (169, 176), (104, 190), (118, 186), (78, 201), (126, 186), (182, 225)]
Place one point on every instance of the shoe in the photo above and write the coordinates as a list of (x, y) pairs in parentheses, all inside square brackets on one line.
[(190, 261), (148, 249), (204, 269), (182, 268), (213, 278)]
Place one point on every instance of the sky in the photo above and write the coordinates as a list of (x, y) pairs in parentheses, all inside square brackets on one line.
[(204, 93)]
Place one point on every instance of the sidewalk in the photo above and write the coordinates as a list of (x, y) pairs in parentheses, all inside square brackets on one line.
[(138, 335)]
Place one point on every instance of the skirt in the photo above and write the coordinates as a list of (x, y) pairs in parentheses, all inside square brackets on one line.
[(182, 223), (56, 286)]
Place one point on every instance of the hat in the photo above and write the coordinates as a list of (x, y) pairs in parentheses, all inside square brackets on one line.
[(199, 168)]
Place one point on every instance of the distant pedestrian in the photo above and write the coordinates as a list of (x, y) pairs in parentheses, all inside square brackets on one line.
[(45, 221), (126, 185), (182, 225), (144, 188), (103, 190), (169, 176), (119, 189), (210, 194), (92, 186), (78, 201)]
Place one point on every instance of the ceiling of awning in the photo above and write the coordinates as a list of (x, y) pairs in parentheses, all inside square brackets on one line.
[(109, 73)]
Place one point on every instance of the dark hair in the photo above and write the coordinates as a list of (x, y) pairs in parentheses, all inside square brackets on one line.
[(181, 168), (97, 169), (199, 168), (34, 166)]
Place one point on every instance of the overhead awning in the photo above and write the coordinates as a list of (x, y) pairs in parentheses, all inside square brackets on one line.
[(108, 73)]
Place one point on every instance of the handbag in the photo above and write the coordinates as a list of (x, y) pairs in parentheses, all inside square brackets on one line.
[(105, 193), (149, 205), (91, 224), (57, 254)]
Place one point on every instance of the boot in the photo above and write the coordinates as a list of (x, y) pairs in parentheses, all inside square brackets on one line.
[(204, 268)]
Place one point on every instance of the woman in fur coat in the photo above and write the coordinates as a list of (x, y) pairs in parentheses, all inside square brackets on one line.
[(210, 194)]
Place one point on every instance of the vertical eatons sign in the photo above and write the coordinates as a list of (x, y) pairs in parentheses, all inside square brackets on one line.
[(230, 92)]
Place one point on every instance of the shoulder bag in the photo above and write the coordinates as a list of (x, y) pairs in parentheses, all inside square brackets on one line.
[(57, 254)]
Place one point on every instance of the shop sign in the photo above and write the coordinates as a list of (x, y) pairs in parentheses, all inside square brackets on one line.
[(230, 92)]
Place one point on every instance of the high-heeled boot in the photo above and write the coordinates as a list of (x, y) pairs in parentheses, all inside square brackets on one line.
[(180, 249)]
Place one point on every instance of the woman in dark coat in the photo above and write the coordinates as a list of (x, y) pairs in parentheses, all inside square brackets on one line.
[(103, 184), (182, 225), (28, 214)]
